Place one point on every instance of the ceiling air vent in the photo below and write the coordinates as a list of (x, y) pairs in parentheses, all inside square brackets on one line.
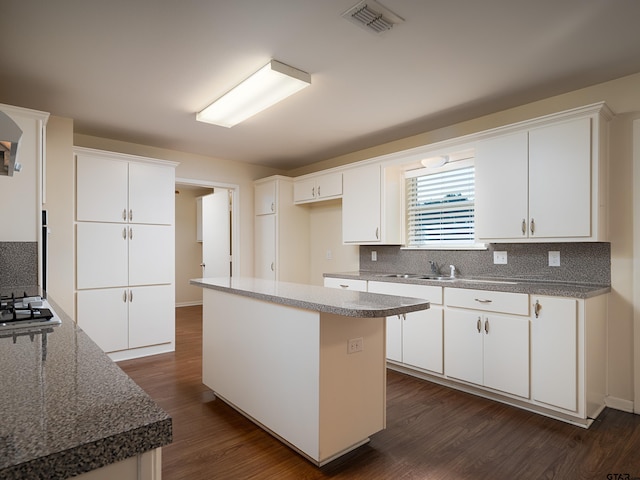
[(372, 16)]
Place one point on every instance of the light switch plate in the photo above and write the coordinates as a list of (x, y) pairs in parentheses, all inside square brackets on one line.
[(554, 259), (374, 256), (500, 258)]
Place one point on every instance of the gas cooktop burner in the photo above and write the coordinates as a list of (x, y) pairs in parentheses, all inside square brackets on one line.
[(25, 311)]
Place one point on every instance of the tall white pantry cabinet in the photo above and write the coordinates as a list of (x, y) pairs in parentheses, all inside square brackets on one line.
[(125, 252)]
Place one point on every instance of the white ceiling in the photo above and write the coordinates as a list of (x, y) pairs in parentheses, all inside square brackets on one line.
[(138, 70)]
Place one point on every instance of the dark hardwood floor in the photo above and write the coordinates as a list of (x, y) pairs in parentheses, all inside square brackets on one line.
[(432, 432)]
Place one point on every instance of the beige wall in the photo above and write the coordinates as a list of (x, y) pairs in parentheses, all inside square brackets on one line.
[(61, 208), (623, 97)]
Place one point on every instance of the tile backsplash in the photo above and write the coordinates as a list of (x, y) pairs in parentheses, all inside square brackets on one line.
[(18, 264), (579, 262)]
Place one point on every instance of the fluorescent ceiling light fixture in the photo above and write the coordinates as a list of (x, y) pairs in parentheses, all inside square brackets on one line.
[(269, 85)]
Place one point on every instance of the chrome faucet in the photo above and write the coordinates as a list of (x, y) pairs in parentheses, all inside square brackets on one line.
[(453, 271)]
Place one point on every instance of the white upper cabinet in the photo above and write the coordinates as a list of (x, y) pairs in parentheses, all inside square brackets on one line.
[(151, 194), (281, 236), (372, 205), (20, 195), (544, 182), (110, 189), (264, 198), (317, 188)]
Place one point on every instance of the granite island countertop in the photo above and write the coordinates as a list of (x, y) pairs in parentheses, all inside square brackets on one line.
[(312, 297), (67, 408), (514, 285)]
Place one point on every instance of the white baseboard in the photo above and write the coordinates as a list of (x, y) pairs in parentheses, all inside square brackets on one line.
[(619, 404), (188, 304)]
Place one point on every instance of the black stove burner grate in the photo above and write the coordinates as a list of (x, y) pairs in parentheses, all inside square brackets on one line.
[(18, 309)]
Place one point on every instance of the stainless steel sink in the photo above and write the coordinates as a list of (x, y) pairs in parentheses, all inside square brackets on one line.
[(480, 280), (436, 277), (401, 275)]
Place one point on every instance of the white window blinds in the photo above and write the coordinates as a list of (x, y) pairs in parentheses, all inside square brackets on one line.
[(440, 207)]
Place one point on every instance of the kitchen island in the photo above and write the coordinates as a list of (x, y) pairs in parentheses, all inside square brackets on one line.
[(306, 363), (69, 411)]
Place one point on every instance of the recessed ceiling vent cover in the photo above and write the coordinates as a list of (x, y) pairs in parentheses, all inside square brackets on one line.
[(372, 16)]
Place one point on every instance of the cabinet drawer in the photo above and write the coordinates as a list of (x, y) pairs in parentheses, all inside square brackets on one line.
[(428, 292), (346, 284), (486, 300)]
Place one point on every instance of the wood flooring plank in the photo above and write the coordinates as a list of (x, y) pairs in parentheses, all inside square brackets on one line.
[(433, 432)]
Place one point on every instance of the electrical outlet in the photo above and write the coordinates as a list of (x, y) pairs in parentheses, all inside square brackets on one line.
[(329, 255), (355, 345), (374, 256), (554, 259), (500, 258)]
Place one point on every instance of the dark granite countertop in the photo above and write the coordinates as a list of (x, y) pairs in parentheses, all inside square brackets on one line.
[(67, 408), (515, 285), (311, 297)]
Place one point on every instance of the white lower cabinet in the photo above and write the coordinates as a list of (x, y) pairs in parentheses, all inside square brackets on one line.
[(487, 348), (491, 350), (414, 339), (124, 318), (568, 359), (543, 353)]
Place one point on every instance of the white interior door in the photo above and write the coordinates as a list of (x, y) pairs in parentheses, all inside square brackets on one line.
[(216, 234)]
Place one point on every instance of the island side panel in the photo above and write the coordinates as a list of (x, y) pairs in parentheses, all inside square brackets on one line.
[(352, 385), (264, 359)]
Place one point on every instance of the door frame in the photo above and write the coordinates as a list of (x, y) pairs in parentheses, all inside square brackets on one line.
[(235, 215), (636, 264)]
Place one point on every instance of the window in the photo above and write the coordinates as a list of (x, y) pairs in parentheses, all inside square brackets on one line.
[(440, 206)]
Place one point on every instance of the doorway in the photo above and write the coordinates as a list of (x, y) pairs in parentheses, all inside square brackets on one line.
[(190, 250)]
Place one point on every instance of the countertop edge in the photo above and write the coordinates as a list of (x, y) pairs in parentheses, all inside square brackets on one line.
[(537, 287), (102, 451), (93, 455), (412, 304)]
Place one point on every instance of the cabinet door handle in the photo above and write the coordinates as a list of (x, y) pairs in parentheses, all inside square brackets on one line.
[(483, 300), (124, 297), (130, 215), (536, 308), (273, 206), (532, 226), (486, 326), (479, 325), (524, 226), (124, 214), (130, 295), (124, 233), (318, 190), (273, 266), (130, 233), (378, 233), (313, 192)]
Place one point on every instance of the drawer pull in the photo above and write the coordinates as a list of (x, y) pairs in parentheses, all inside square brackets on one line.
[(483, 300), (344, 286)]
